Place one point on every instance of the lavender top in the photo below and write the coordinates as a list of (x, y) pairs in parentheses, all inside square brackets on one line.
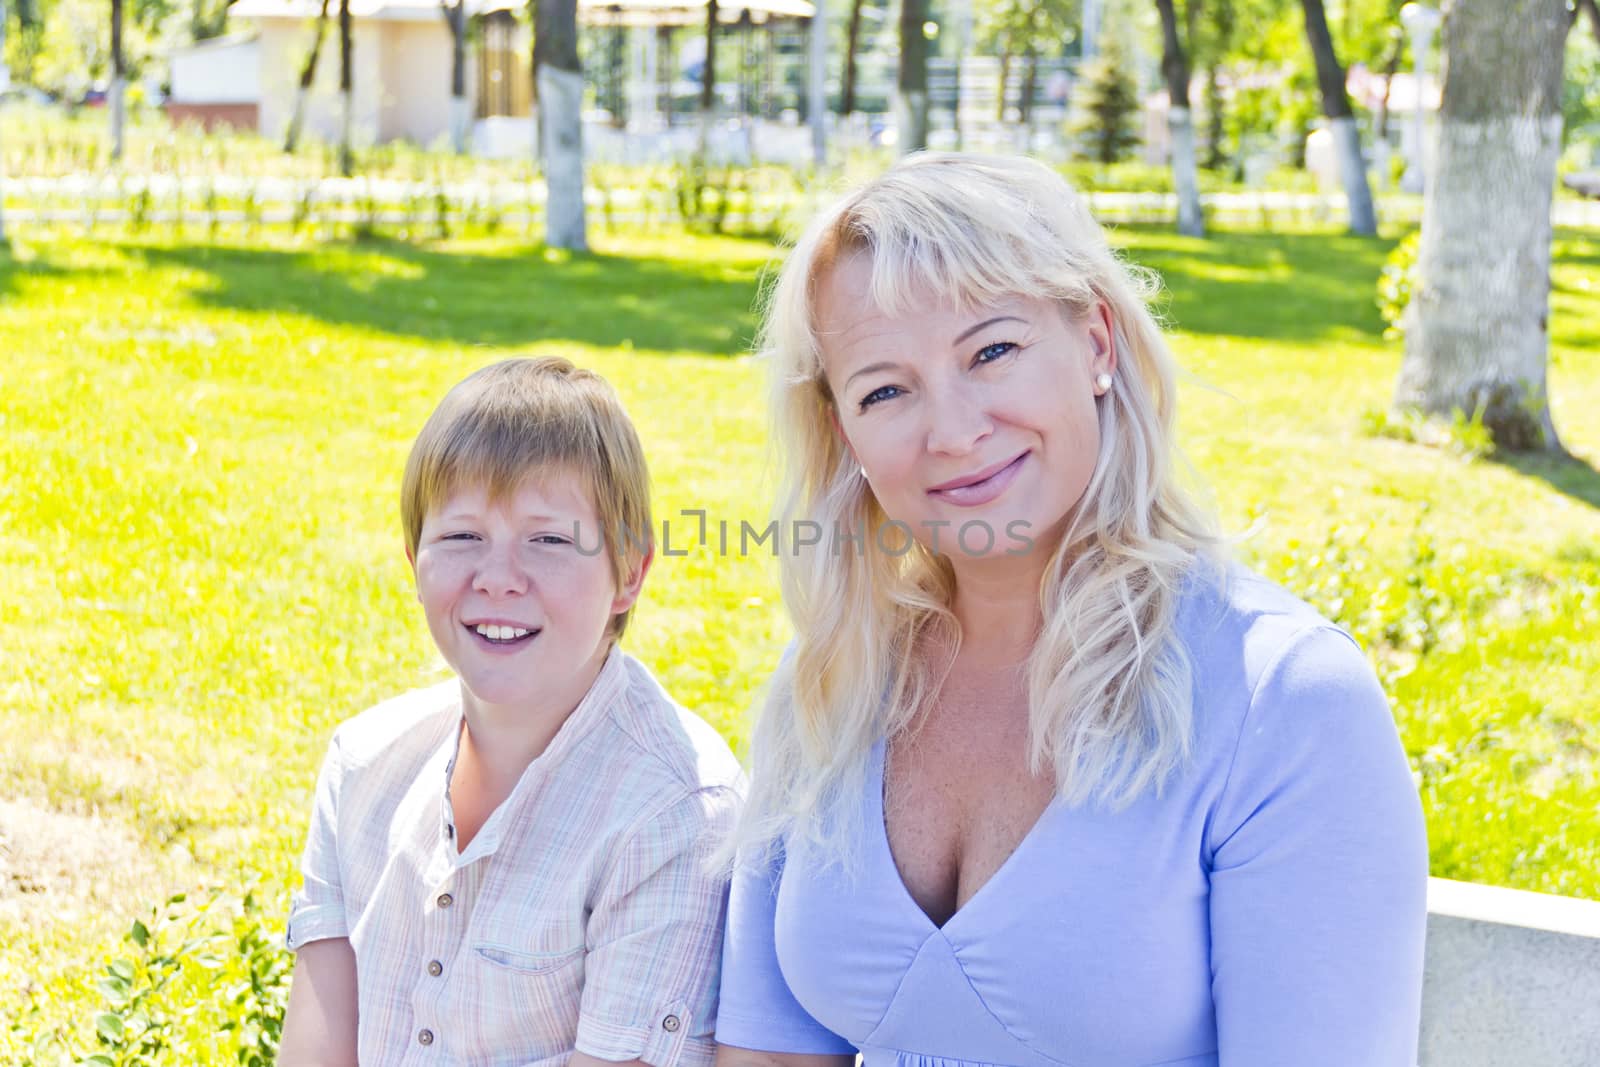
[(1267, 908)]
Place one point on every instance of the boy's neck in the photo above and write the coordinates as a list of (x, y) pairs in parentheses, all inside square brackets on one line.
[(499, 742)]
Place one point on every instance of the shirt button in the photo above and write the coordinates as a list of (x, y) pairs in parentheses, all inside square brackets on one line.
[(670, 1024), (425, 1037), (445, 900), (435, 968)]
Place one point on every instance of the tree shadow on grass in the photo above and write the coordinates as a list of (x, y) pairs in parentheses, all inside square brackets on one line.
[(13, 270), (1571, 475), (1273, 286), (503, 299)]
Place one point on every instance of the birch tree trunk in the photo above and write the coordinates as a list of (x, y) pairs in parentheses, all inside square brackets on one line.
[(308, 78), (346, 96), (1341, 120), (2, 154), (1477, 330), (455, 17), (116, 100), (912, 101), (708, 80), (1180, 124), (561, 123), (852, 42)]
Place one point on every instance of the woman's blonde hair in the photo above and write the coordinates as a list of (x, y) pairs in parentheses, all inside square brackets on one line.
[(530, 418), (1109, 683)]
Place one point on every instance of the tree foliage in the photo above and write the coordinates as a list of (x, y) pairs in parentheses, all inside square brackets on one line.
[(1107, 115)]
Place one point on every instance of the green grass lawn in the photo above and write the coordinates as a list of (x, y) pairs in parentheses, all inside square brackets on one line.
[(203, 571)]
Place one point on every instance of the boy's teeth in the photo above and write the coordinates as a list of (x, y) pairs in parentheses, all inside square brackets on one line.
[(500, 633)]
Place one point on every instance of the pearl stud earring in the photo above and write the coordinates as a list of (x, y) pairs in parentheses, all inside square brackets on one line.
[(1102, 382)]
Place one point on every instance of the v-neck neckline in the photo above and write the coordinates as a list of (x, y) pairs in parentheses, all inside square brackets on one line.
[(880, 832)]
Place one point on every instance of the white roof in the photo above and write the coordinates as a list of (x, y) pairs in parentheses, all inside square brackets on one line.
[(210, 44)]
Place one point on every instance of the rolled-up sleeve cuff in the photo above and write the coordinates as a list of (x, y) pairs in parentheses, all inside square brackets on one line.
[(666, 1039), (315, 923), (779, 1035)]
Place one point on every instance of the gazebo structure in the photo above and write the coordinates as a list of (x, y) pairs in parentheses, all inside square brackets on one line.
[(635, 58), (636, 78)]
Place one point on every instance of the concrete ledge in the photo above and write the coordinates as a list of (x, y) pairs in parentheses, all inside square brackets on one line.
[(1512, 980)]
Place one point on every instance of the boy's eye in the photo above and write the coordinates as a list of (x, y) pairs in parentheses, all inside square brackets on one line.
[(998, 350), (883, 392)]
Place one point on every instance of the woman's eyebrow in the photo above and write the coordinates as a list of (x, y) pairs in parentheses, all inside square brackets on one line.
[(986, 323), (870, 368)]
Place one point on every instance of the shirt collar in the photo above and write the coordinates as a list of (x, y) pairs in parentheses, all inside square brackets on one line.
[(608, 685)]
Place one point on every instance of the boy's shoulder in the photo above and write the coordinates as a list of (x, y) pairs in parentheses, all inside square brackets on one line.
[(410, 726), (671, 744)]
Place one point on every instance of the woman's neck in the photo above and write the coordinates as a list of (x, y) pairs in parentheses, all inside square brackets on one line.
[(997, 607)]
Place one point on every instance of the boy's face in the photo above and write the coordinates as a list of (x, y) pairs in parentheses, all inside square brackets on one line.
[(519, 594)]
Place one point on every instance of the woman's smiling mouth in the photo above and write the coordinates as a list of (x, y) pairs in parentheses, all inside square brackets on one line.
[(980, 488)]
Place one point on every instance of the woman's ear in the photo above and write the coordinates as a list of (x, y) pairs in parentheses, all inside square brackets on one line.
[(1102, 340)]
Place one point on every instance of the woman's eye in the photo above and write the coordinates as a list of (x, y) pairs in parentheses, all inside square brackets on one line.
[(459, 537), (998, 350), (883, 392), (551, 539)]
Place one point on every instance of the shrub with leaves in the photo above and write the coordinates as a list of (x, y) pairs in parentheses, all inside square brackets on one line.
[(1397, 282), (194, 985)]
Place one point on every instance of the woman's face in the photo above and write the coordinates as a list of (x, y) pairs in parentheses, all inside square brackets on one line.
[(978, 429)]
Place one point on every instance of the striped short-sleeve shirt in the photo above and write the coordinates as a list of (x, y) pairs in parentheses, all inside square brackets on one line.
[(583, 916)]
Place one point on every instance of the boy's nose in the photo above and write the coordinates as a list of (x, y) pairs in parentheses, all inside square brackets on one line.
[(501, 575)]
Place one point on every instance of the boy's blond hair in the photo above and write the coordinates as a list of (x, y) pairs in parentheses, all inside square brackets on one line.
[(521, 418)]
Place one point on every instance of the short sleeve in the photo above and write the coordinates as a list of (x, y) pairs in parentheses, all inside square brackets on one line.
[(650, 977), (316, 912), (758, 1011), (1319, 871)]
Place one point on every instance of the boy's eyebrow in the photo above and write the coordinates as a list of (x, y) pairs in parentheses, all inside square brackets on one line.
[(538, 516)]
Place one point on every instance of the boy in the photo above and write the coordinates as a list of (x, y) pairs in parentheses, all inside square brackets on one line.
[(510, 868)]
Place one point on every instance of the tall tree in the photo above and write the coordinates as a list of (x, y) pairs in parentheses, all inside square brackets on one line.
[(1108, 104), (1180, 122), (2, 154), (852, 42), (1590, 8), (308, 77), (1341, 120), (347, 103), (708, 79), (560, 80), (455, 17), (1025, 30), (208, 18), (119, 81), (1477, 335), (913, 80)]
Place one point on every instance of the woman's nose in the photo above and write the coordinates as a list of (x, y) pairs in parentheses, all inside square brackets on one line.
[(956, 419)]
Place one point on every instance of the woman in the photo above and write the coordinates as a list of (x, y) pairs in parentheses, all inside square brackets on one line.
[(1043, 780)]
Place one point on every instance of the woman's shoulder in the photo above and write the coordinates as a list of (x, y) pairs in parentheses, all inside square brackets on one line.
[(1237, 626), (1263, 659)]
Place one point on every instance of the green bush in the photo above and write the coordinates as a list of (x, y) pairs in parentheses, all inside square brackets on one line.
[(190, 985), (1396, 282)]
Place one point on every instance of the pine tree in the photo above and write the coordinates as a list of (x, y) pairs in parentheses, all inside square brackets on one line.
[(1107, 105)]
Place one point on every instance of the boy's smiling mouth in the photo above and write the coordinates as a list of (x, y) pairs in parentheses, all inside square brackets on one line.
[(500, 635)]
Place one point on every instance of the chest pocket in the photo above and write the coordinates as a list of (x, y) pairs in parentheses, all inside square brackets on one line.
[(530, 989)]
